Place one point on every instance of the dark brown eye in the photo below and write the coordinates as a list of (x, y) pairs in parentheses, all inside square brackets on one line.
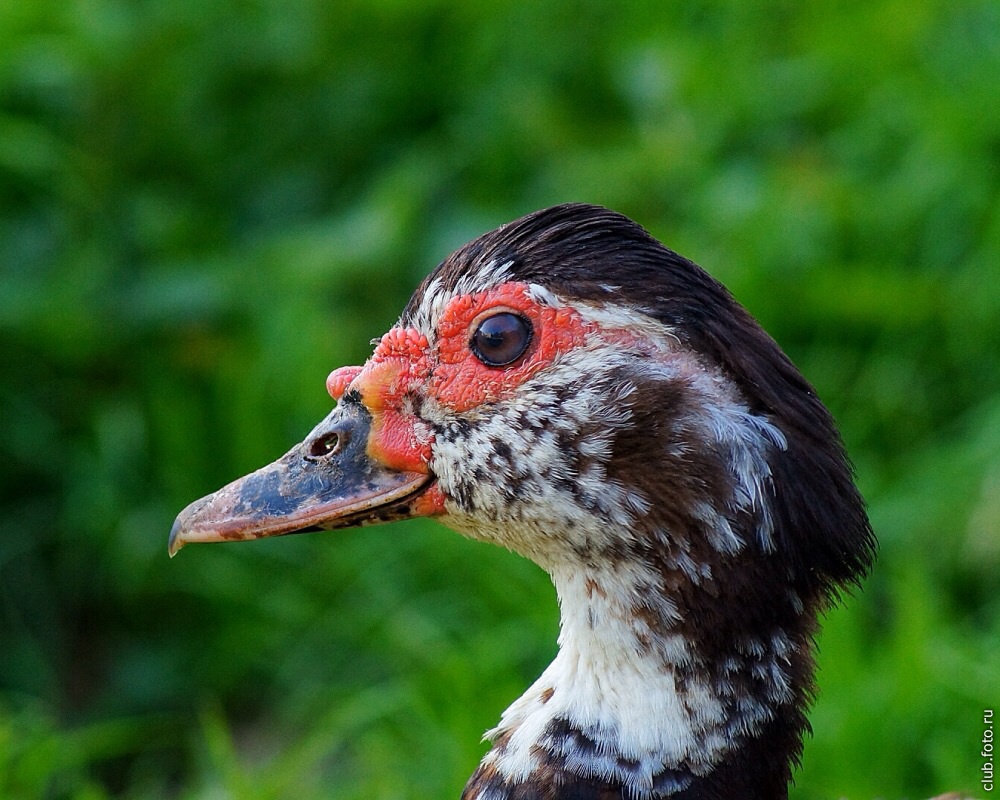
[(501, 339)]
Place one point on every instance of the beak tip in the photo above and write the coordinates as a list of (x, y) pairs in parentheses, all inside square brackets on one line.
[(176, 541)]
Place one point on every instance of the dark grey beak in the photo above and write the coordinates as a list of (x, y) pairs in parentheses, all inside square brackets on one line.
[(328, 481)]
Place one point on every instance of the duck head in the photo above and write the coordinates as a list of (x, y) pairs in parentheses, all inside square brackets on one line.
[(567, 387)]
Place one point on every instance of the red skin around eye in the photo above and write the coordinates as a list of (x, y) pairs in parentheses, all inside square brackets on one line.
[(461, 381)]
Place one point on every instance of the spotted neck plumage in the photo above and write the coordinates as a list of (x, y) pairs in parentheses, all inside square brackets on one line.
[(630, 709)]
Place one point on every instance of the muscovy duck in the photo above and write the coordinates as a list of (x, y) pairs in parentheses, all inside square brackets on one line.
[(567, 387)]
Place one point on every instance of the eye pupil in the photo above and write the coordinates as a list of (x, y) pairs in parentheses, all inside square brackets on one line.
[(501, 339)]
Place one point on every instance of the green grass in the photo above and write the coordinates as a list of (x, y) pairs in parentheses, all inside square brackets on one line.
[(204, 207)]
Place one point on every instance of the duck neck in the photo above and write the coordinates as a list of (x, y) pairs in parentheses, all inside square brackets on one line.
[(631, 706)]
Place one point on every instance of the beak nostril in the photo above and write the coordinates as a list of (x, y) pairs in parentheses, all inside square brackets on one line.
[(327, 445)]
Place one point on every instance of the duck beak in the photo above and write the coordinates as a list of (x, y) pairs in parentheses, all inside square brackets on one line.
[(328, 481)]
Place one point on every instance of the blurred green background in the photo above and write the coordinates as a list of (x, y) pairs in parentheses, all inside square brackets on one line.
[(205, 205)]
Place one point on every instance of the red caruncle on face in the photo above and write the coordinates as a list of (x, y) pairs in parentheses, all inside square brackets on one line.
[(405, 363)]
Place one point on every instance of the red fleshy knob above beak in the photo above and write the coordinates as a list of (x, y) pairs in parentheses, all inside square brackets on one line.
[(338, 380)]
